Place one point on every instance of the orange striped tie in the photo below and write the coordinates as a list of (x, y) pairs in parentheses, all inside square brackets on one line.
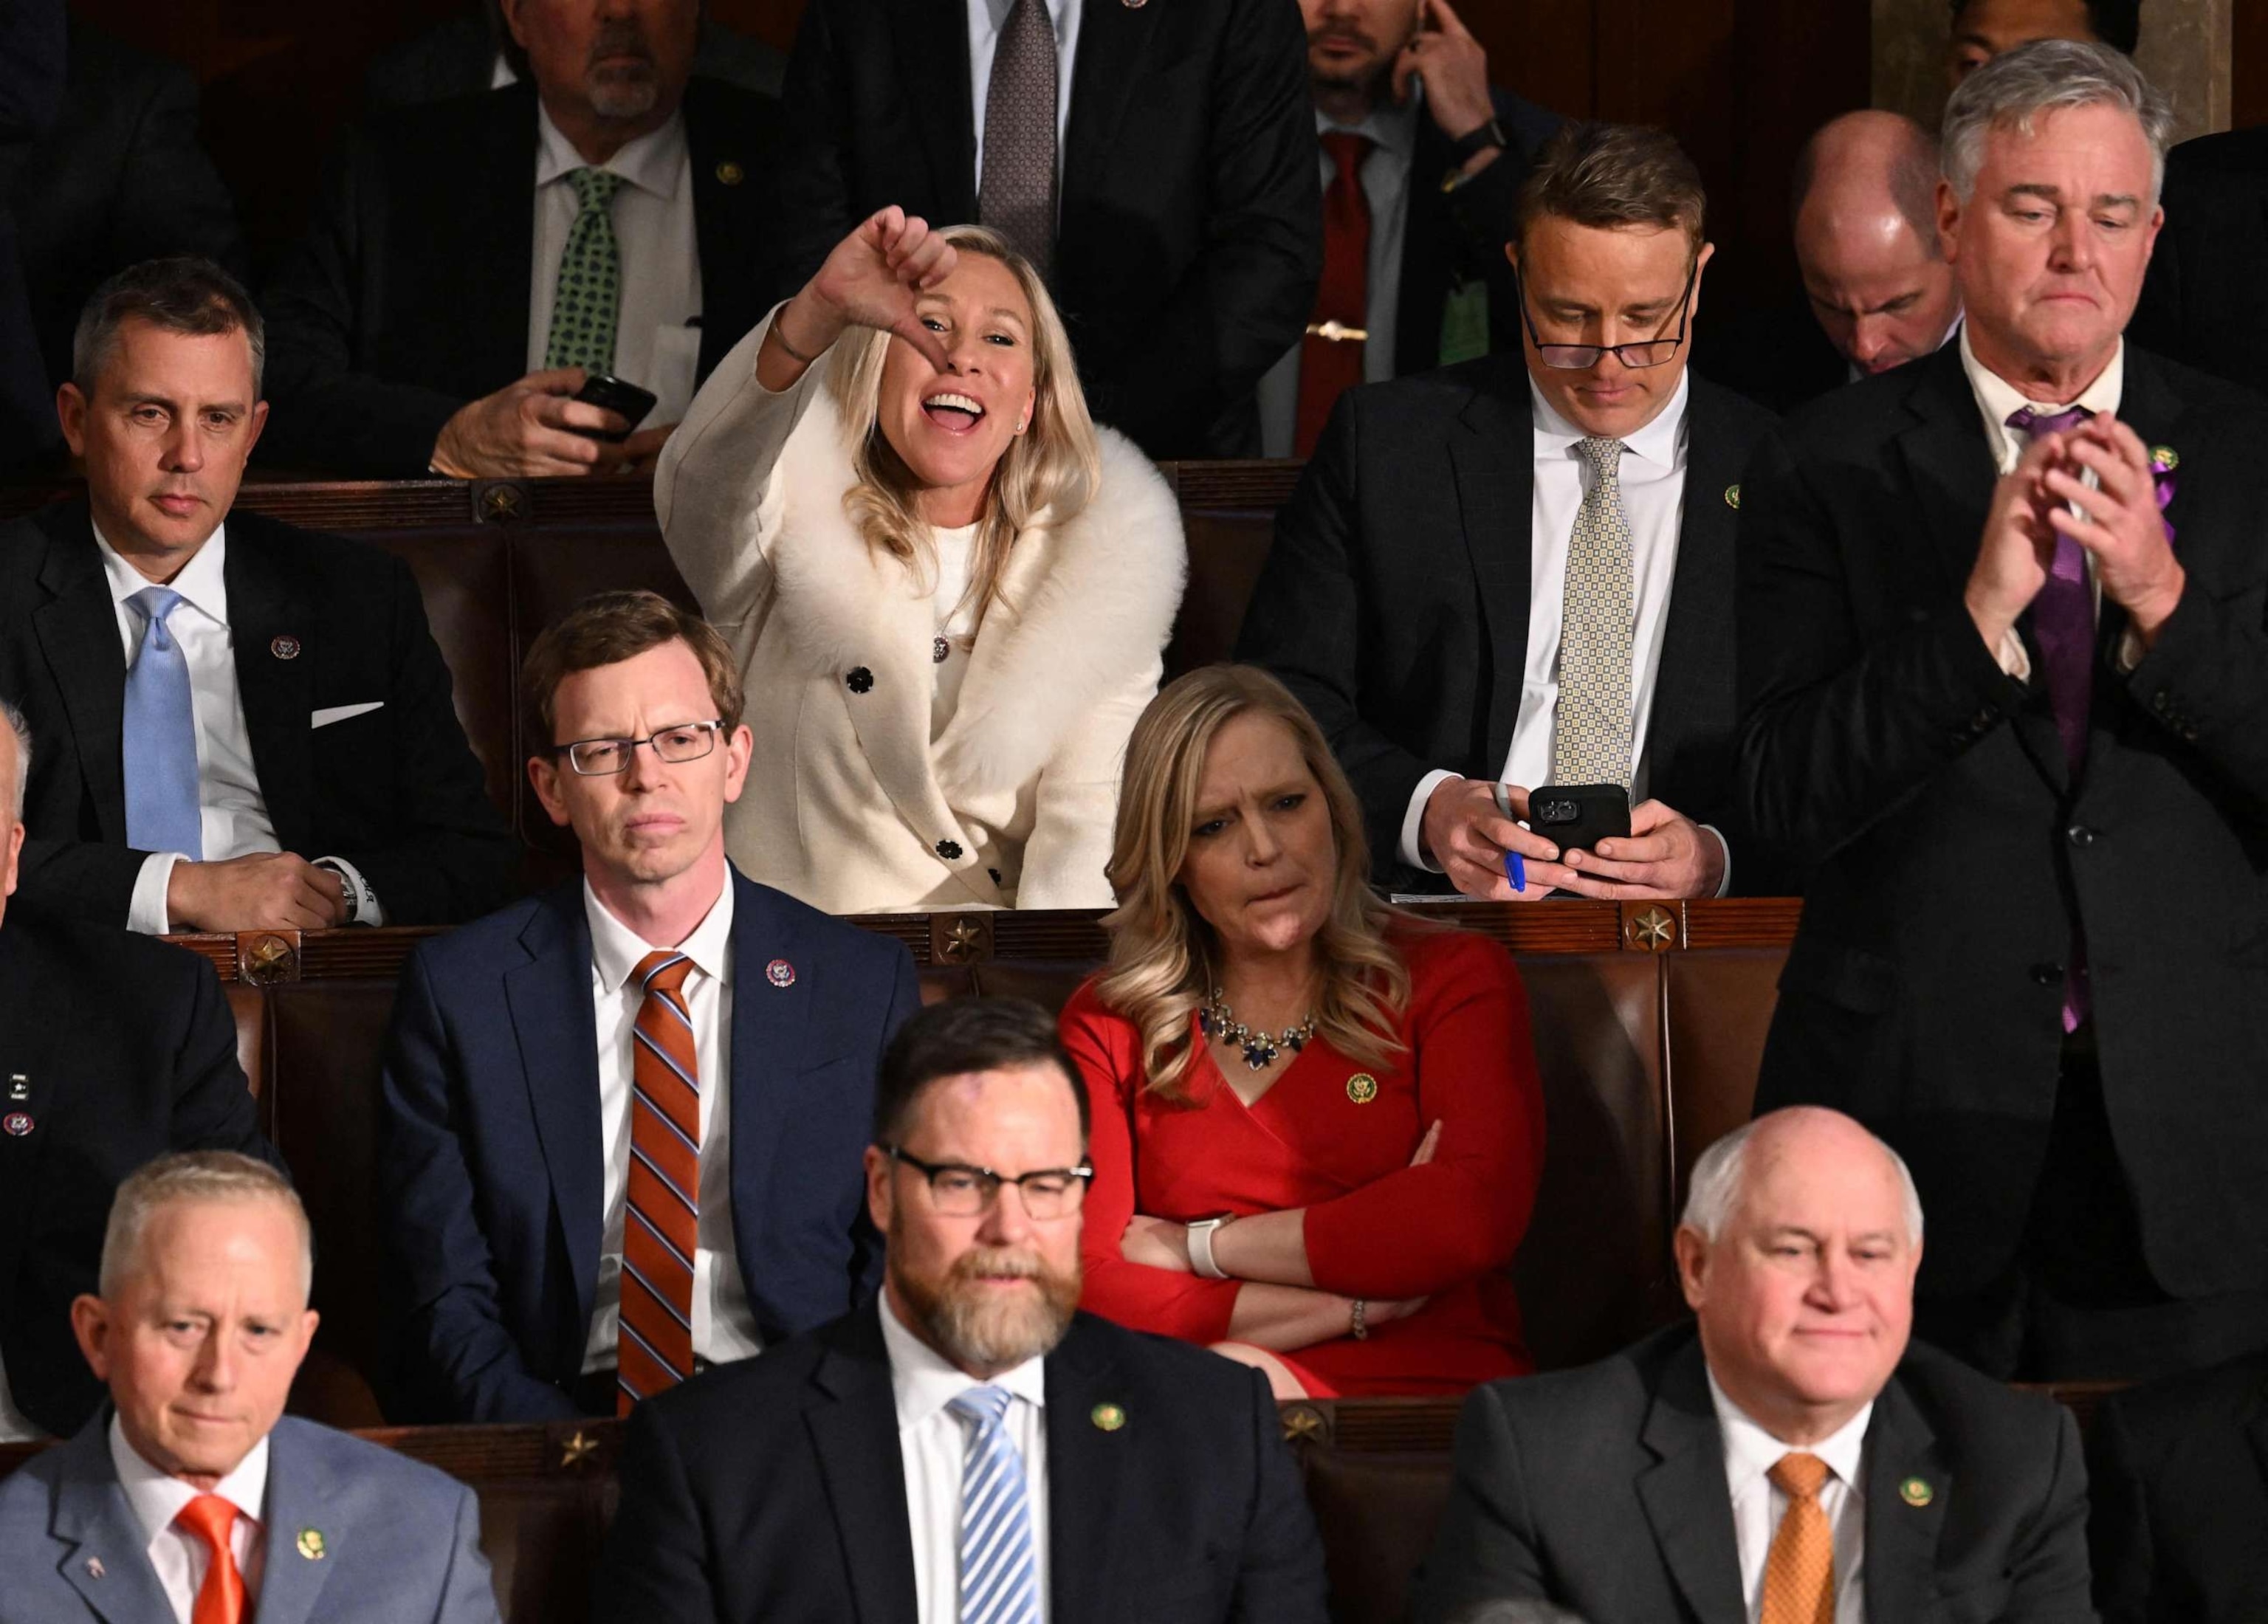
[(220, 1598), (661, 1229), (1799, 1572)]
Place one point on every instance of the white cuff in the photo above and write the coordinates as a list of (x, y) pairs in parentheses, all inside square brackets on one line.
[(366, 910), (1413, 823), (1724, 886), (2013, 657), (146, 913)]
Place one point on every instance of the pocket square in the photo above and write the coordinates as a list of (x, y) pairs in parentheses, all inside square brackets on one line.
[(340, 713)]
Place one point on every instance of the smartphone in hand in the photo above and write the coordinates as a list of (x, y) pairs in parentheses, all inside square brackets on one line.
[(613, 395)]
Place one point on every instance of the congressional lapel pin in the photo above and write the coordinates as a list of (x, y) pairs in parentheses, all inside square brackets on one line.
[(1733, 497), (1108, 1417), (17, 1123), (1915, 1492), (284, 647), (1362, 1088), (730, 173), (19, 1086), (311, 1543), (780, 973), (94, 1568)]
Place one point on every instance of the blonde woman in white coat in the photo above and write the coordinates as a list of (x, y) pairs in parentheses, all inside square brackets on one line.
[(948, 589)]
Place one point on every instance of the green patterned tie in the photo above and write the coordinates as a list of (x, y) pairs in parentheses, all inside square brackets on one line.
[(583, 308), (1591, 735)]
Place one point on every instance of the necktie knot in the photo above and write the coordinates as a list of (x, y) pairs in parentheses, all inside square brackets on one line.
[(155, 603), (1604, 455), (211, 1519), (1798, 1476), (984, 1406), (2036, 423), (1346, 148), (663, 970), (594, 188)]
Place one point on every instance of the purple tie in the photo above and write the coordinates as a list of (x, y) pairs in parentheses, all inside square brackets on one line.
[(2063, 623)]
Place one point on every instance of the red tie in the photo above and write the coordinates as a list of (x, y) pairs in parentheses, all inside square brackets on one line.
[(220, 1598), (662, 1225), (1328, 367)]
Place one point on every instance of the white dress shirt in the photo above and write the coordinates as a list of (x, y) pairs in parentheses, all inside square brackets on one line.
[(1392, 132), (15, 1426), (986, 18), (1750, 1453), (657, 338), (178, 1556), (723, 1326), (933, 1443)]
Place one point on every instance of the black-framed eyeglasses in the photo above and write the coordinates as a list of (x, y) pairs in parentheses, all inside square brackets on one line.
[(961, 1191), (596, 758), (1644, 353)]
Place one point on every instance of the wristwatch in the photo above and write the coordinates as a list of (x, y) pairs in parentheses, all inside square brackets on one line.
[(1201, 1234), (1473, 143)]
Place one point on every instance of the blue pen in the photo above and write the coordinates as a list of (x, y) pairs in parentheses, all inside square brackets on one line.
[(1515, 871)]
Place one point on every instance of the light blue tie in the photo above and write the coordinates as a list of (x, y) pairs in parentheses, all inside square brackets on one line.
[(161, 738), (998, 1582)]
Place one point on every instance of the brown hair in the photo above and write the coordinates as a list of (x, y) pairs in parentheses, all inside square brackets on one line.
[(182, 293), (1610, 175), (608, 627)]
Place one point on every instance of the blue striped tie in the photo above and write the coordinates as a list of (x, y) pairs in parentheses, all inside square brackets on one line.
[(998, 1578), (159, 729)]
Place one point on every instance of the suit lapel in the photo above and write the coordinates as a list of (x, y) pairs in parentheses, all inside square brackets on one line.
[(266, 616), (40, 1006), (496, 190), (549, 996), (1113, 42), (78, 630), (1902, 1521), (933, 42), (108, 1562), (1426, 262), (1684, 1494), (302, 1499), (1696, 642), (767, 1056), (854, 1434), (1495, 463), (725, 221), (1087, 1471)]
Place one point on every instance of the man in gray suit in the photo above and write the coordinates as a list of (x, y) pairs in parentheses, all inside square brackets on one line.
[(188, 1496), (1792, 1455)]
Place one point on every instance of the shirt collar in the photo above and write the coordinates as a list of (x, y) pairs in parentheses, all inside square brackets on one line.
[(202, 583), (1750, 1452), (1998, 399), (651, 162), (1661, 442), (924, 1381), (1390, 125), (617, 948), (158, 1497)]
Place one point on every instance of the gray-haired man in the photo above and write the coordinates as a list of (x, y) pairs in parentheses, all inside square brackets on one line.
[(2003, 654), (1791, 1456)]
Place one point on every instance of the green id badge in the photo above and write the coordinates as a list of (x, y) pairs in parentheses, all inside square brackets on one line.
[(1465, 323)]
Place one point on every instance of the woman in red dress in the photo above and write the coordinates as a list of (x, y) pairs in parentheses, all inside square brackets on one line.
[(1317, 1127)]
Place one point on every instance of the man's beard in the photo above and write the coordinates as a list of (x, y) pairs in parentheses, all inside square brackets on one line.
[(981, 1328), (1361, 76), (623, 92)]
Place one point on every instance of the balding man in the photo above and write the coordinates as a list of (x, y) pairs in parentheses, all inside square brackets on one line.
[(188, 1496), (1983, 29), (1792, 1451)]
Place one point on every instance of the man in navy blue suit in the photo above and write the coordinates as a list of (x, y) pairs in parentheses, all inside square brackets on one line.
[(623, 1120)]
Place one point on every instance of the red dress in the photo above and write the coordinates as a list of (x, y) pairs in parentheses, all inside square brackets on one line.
[(1322, 1140)]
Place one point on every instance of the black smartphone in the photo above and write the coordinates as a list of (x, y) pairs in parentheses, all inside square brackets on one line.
[(613, 395), (1579, 815)]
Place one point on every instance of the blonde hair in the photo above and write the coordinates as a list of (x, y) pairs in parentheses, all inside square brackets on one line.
[(1164, 958), (1048, 474)]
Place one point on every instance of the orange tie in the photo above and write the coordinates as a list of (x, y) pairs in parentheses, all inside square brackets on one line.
[(1800, 1573), (662, 1225), (220, 1598)]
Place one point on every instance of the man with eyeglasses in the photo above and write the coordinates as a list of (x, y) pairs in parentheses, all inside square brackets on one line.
[(622, 1120), (1501, 577), (971, 1447)]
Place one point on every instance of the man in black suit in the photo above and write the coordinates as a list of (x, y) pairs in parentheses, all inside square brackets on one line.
[(1791, 1449), (424, 323), (247, 725), (1417, 596), (473, 51), (2179, 1478), (969, 1440), (2012, 732), (2201, 301), (1421, 163), (1170, 200), (113, 1050)]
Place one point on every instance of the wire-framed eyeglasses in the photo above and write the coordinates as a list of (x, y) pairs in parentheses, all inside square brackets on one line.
[(959, 1191), (597, 758), (1642, 353)]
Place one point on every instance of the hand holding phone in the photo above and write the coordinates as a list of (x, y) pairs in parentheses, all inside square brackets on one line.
[(625, 399)]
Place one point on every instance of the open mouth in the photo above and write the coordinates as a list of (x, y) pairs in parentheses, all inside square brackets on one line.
[(954, 412)]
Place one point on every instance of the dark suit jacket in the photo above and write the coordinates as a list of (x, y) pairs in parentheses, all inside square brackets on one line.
[(1190, 237), (1603, 1489), (115, 1048), (456, 57), (1779, 357), (490, 1142), (1948, 857), (1395, 599), (2201, 301), (33, 38), (409, 296), (396, 792), (1190, 1513), (2179, 1482)]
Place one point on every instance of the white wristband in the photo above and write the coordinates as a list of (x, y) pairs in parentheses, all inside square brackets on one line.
[(1201, 1235)]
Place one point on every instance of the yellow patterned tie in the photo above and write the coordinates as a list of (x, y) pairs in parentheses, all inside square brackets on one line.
[(588, 300), (1591, 733), (1800, 1573)]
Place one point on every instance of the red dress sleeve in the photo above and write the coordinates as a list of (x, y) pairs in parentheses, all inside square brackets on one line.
[(1421, 1230), (1107, 1052)]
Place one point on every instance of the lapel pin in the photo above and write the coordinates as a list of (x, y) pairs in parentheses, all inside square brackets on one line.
[(1108, 1417), (729, 173), (2164, 458), (17, 1123), (284, 647), (94, 1568), (1733, 497), (1915, 1492), (1362, 1088), (311, 1543), (19, 1086), (780, 973)]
